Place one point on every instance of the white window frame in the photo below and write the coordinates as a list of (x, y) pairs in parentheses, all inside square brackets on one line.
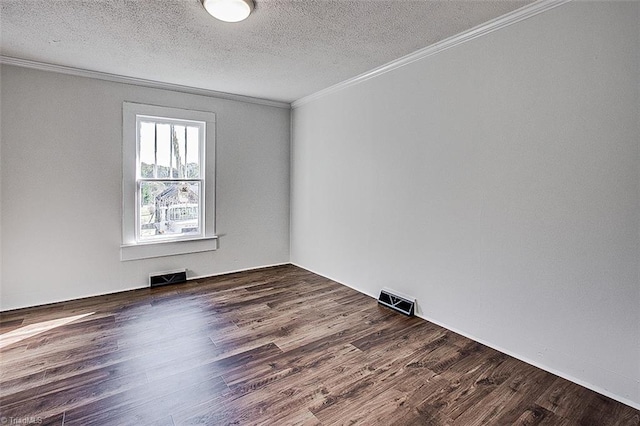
[(201, 125), (133, 247)]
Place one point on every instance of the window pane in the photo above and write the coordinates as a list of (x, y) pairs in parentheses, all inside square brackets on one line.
[(193, 153), (147, 149), (169, 209), (178, 170), (163, 150)]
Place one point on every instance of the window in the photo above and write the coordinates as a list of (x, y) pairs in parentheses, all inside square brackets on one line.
[(170, 188), (167, 181)]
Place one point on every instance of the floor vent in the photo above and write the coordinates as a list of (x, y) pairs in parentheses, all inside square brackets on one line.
[(168, 277), (397, 302)]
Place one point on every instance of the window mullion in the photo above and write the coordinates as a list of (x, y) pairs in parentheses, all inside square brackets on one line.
[(184, 173), (155, 150), (170, 180)]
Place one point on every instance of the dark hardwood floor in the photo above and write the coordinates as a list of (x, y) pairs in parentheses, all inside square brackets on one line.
[(277, 346)]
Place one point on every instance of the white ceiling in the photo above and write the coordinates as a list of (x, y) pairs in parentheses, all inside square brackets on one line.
[(285, 50)]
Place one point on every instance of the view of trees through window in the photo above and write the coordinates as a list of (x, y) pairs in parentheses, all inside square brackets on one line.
[(169, 177)]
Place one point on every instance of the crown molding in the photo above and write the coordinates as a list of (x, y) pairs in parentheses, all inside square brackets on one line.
[(503, 21), (42, 66)]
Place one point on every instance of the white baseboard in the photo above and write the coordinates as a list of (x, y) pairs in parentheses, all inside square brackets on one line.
[(62, 300), (499, 349), (253, 268), (535, 363)]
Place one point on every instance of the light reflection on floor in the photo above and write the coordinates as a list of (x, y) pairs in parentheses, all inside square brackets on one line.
[(31, 330)]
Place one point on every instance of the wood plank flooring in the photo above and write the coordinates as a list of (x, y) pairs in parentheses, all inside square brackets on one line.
[(276, 346)]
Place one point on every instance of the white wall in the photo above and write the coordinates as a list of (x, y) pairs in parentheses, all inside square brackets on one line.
[(497, 182), (0, 189), (62, 187)]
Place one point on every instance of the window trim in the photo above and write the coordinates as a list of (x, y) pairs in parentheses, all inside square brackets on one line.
[(131, 249)]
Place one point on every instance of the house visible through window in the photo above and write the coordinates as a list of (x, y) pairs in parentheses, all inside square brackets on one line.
[(169, 178), (168, 186)]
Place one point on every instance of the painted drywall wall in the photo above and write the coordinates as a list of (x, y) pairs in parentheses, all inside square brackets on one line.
[(62, 187), (0, 188), (498, 183)]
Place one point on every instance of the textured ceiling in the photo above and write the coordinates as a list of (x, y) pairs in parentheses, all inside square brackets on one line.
[(285, 50)]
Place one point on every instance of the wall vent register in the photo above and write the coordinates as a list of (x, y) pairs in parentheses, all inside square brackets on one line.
[(168, 277), (398, 302)]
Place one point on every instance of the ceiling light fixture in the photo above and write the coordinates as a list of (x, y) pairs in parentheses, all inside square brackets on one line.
[(229, 10)]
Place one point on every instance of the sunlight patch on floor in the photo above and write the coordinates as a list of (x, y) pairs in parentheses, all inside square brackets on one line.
[(31, 330)]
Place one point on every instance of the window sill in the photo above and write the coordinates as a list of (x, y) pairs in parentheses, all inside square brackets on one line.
[(167, 248)]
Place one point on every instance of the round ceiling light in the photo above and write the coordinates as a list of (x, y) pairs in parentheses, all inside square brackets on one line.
[(229, 10)]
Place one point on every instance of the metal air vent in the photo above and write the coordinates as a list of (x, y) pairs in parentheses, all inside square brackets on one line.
[(168, 277), (397, 302)]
